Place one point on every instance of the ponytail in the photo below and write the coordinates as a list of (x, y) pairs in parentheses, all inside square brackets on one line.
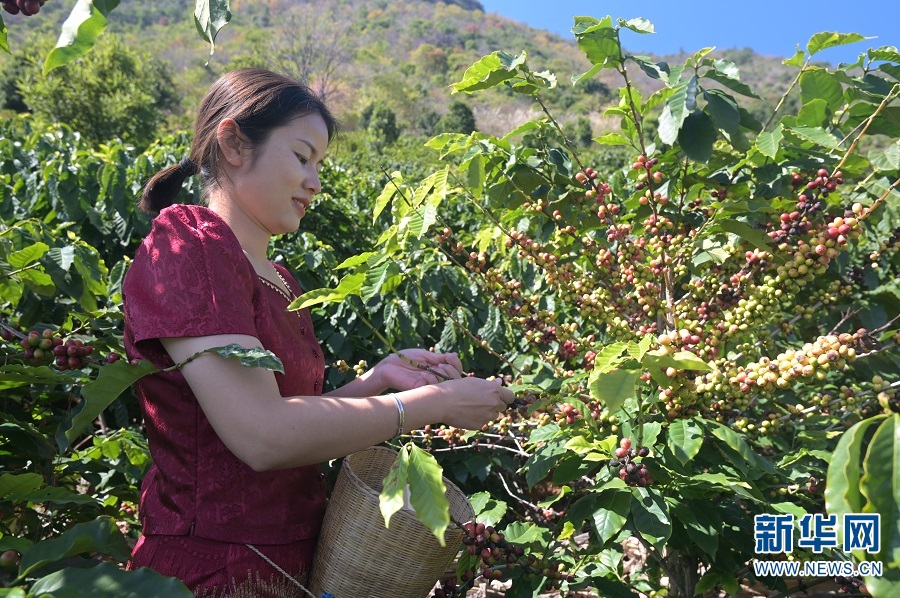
[(162, 190)]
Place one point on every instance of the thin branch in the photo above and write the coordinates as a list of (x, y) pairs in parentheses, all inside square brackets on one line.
[(784, 97), (31, 267)]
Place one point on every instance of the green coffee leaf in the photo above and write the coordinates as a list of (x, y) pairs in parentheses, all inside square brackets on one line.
[(86, 22), (210, 16), (701, 523), (813, 113), (681, 360), (754, 236), (392, 497), (427, 492), (817, 83), (611, 139), (730, 83), (697, 136), (356, 260), (879, 485), (718, 577), (638, 25), (612, 514), (27, 255), (685, 439), (888, 53), (614, 388), (831, 39), (99, 394), (723, 109), (542, 461), (816, 135), (4, 45), (651, 516), (637, 350), (384, 198), (488, 510), (377, 277), (554, 498), (257, 357), (106, 579), (12, 485), (54, 494), (350, 284), (677, 102), (100, 535), (797, 59), (490, 71), (12, 376), (768, 142), (524, 533), (599, 42), (737, 442), (609, 357), (887, 159), (654, 70)]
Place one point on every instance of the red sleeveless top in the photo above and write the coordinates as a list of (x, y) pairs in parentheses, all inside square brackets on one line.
[(191, 278)]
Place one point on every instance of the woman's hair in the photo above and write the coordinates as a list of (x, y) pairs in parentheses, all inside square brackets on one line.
[(259, 101)]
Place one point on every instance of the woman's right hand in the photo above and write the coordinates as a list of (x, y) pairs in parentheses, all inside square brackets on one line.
[(471, 402)]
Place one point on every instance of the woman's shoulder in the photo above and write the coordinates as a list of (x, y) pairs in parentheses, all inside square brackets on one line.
[(189, 219), (189, 228)]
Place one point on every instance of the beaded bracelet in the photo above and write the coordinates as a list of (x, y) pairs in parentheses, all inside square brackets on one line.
[(400, 414)]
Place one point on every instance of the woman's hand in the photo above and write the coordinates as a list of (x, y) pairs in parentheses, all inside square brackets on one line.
[(469, 403), (414, 368)]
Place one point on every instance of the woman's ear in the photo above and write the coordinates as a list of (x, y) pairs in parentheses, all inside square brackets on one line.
[(231, 142)]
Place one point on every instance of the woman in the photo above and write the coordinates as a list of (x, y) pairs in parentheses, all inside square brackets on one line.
[(235, 497)]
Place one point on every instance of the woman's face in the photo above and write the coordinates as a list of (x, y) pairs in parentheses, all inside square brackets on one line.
[(276, 189)]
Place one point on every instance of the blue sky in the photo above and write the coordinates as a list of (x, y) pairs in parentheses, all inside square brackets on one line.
[(770, 27)]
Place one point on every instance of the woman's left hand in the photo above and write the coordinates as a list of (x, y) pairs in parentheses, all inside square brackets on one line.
[(412, 368)]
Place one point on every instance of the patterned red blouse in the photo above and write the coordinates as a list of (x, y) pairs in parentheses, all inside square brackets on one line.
[(191, 278)]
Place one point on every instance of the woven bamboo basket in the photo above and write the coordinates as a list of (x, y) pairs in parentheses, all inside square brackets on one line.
[(356, 557)]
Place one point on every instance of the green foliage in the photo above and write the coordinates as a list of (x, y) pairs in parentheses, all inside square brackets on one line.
[(379, 120), (80, 32), (670, 302), (113, 92), (459, 119)]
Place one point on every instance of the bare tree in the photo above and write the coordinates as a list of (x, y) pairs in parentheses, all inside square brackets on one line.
[(313, 43)]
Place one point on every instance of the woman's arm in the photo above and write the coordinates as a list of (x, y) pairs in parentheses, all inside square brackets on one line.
[(268, 431), (404, 370)]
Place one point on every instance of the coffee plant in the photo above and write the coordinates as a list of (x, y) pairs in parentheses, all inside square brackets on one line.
[(698, 334), (705, 335), (88, 20)]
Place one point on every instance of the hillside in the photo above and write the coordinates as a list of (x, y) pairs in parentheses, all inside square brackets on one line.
[(405, 53)]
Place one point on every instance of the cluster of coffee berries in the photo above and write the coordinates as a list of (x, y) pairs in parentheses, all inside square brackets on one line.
[(815, 485), (38, 346), (630, 471), (648, 174), (491, 546), (343, 367), (849, 585), (813, 359), (447, 588), (523, 401), (71, 354), (26, 7), (568, 414), (595, 191)]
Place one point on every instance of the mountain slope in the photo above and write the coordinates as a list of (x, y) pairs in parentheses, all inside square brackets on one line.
[(404, 53)]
